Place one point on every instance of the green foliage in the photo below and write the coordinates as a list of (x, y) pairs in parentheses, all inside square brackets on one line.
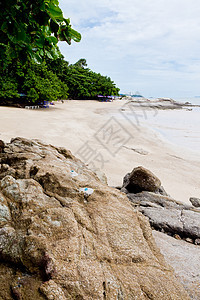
[(42, 84), (34, 80), (8, 88), (32, 29), (82, 82)]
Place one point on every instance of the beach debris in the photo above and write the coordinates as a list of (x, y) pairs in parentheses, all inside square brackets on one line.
[(137, 150), (73, 173), (87, 191), (195, 201)]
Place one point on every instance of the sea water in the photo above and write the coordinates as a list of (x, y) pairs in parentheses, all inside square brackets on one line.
[(180, 127)]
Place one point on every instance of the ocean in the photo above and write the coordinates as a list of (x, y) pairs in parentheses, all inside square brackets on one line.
[(178, 127)]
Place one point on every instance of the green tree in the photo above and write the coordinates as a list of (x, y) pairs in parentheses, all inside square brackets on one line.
[(32, 28), (41, 84), (36, 81), (82, 82)]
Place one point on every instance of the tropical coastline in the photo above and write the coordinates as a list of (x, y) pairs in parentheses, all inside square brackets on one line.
[(77, 125)]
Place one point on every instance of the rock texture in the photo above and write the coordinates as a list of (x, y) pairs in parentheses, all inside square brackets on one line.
[(184, 258), (58, 242), (164, 213)]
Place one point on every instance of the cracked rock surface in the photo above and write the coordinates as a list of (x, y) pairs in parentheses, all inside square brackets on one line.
[(57, 242), (164, 213)]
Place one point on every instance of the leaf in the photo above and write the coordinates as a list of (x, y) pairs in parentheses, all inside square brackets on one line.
[(21, 34), (54, 12), (75, 35), (52, 39), (40, 41), (49, 55), (4, 27)]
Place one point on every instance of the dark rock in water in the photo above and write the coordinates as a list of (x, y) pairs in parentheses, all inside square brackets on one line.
[(141, 179), (195, 201), (56, 243)]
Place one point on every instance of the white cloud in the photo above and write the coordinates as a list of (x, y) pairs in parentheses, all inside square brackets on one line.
[(139, 43)]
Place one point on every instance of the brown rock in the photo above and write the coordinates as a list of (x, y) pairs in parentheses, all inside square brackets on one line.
[(195, 201), (55, 243), (141, 179), (2, 145)]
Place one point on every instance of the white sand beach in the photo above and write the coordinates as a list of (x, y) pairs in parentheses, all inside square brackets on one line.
[(103, 136)]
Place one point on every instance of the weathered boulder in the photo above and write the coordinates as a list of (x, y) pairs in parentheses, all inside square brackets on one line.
[(59, 241), (141, 179), (195, 201)]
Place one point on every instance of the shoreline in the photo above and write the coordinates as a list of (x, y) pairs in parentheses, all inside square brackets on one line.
[(75, 123)]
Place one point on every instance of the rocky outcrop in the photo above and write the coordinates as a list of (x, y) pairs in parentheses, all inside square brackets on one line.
[(164, 213), (66, 235)]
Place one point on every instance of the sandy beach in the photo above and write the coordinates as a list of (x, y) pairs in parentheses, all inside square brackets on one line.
[(102, 136)]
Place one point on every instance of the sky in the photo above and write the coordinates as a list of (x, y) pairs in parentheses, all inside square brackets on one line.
[(150, 46)]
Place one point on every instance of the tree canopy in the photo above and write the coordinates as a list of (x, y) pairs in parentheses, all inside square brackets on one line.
[(32, 28), (82, 82)]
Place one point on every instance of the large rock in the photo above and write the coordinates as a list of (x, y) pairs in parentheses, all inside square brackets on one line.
[(66, 235), (141, 179), (169, 215)]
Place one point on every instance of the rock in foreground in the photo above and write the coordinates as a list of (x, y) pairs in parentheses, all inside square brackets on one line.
[(66, 235)]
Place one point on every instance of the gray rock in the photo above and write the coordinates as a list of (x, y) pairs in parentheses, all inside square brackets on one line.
[(167, 219), (165, 214), (191, 223), (148, 198), (197, 242), (185, 223), (184, 258), (195, 201)]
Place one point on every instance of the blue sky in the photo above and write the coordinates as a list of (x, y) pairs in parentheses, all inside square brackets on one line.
[(152, 46)]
